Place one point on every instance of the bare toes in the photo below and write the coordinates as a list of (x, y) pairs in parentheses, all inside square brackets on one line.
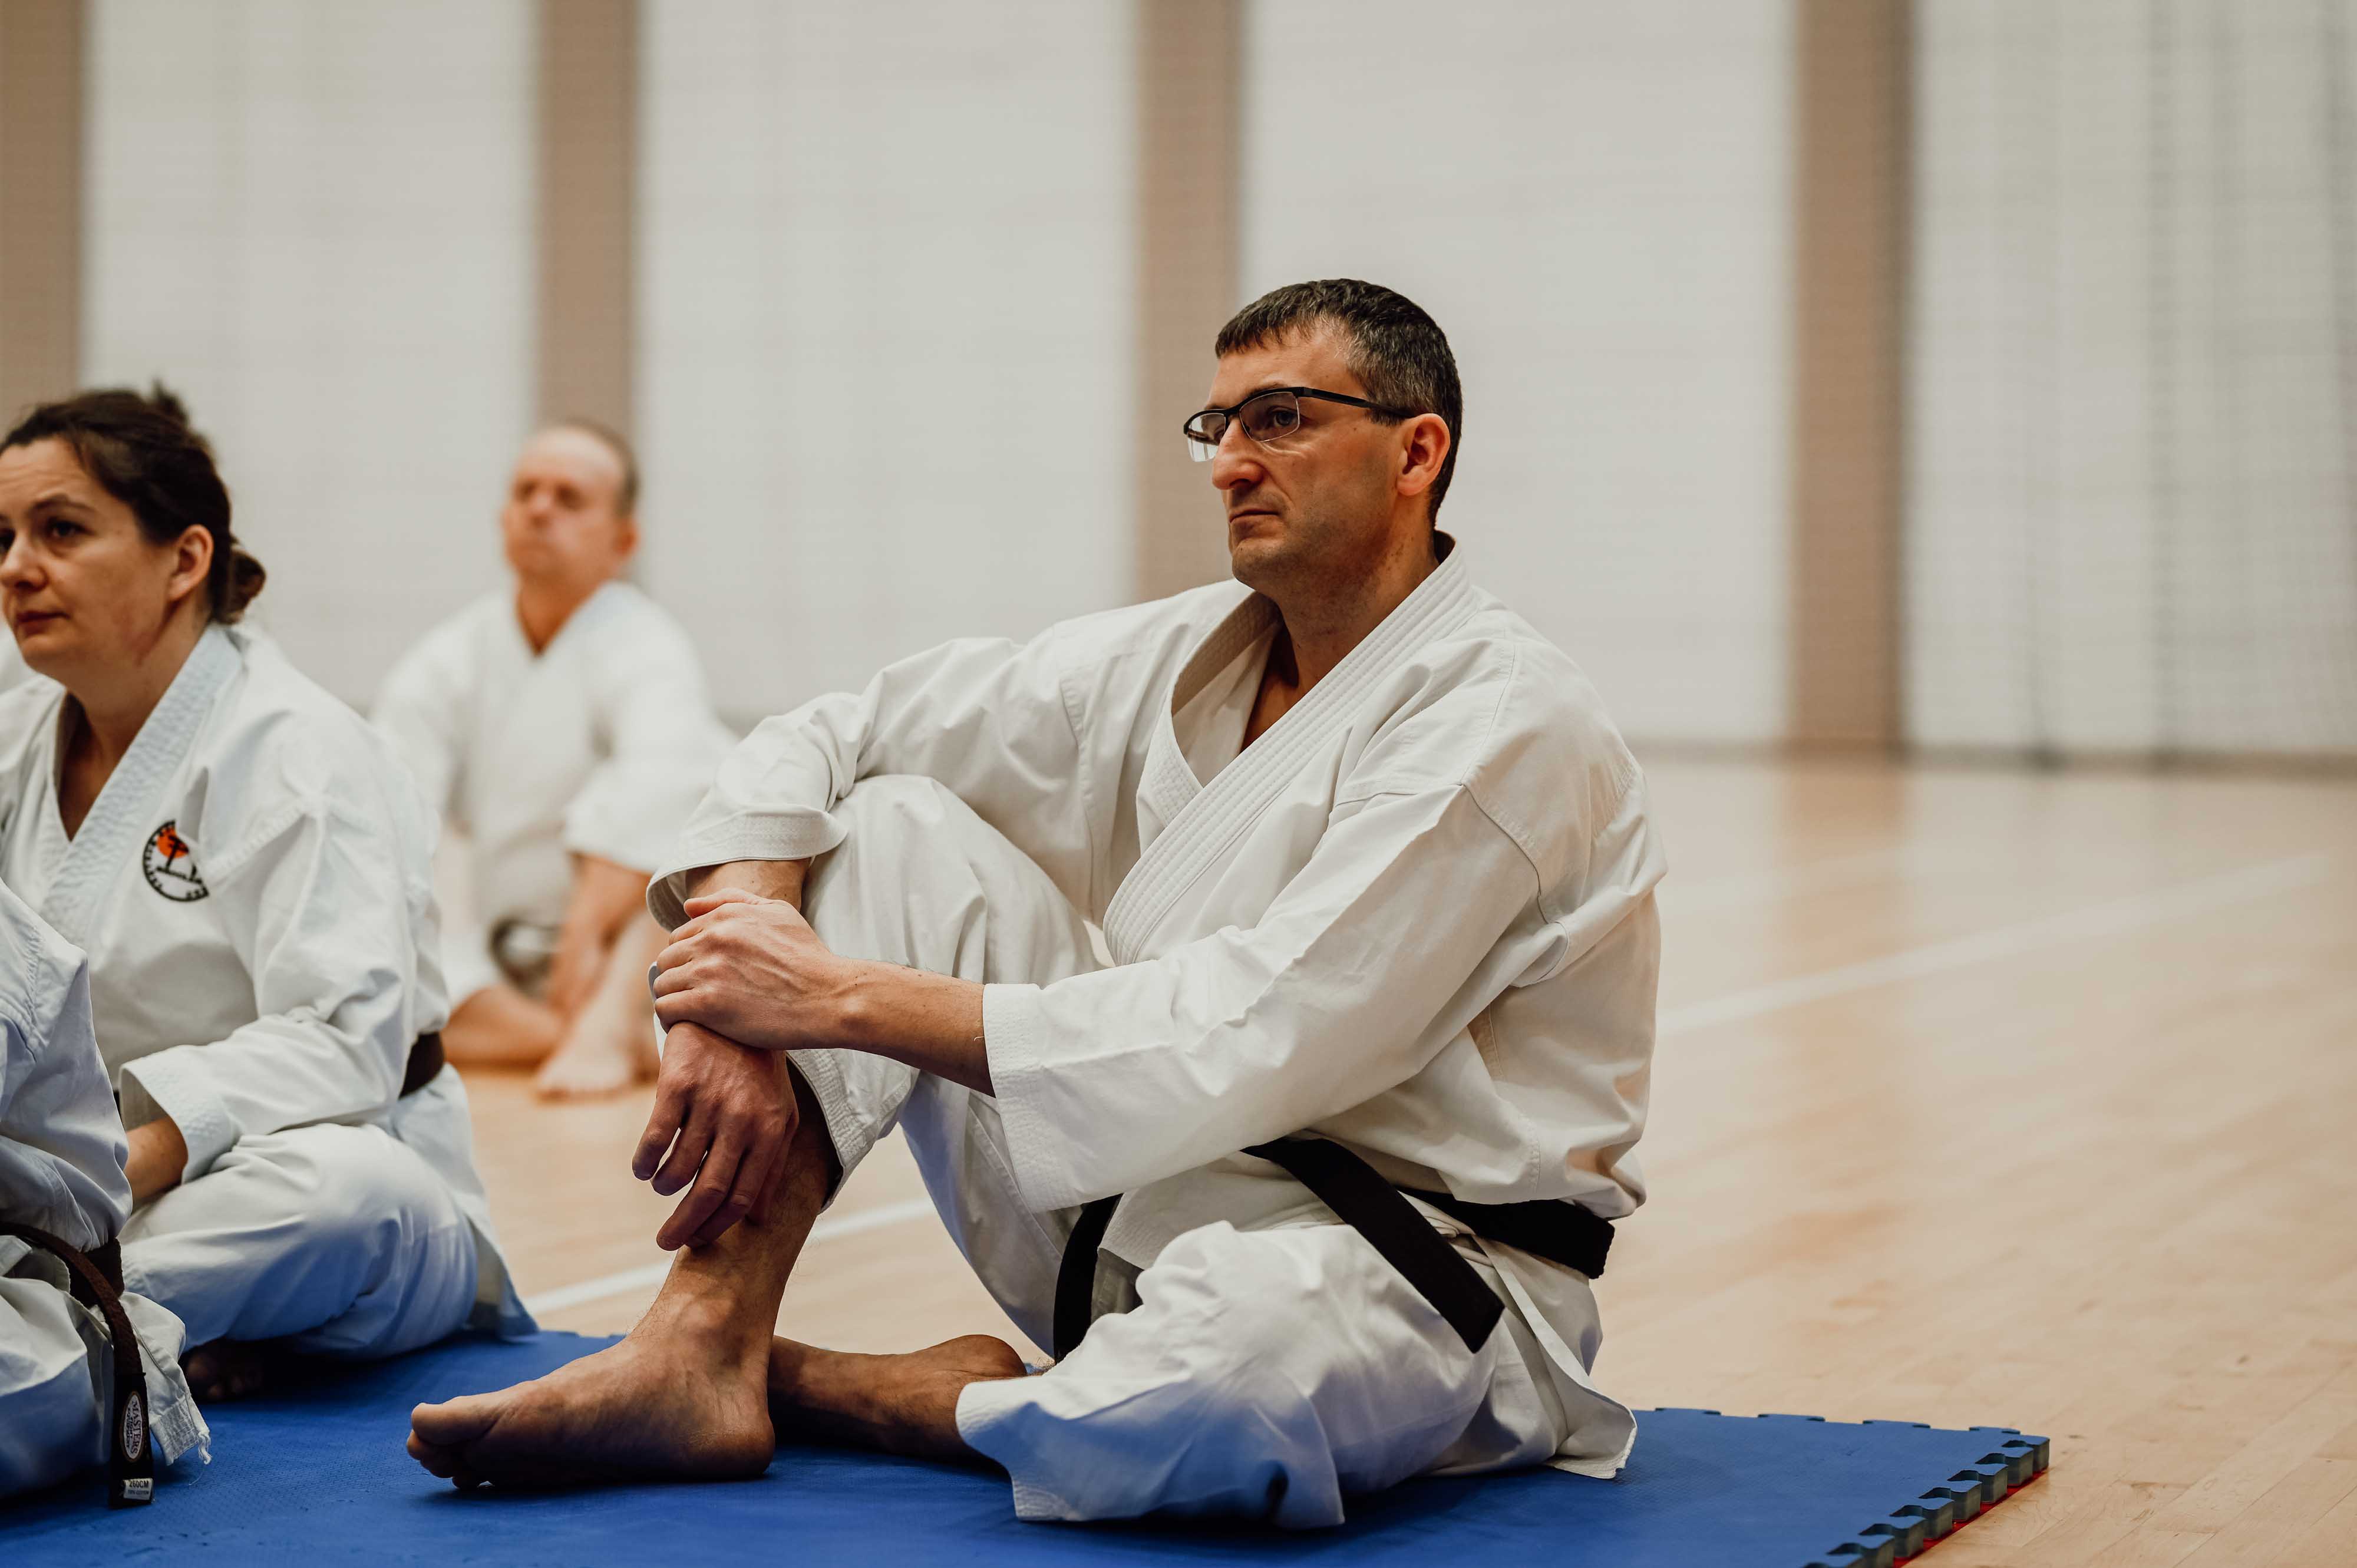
[(454, 1422), (441, 1462)]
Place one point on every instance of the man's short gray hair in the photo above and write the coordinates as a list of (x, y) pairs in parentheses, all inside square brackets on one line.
[(1399, 354)]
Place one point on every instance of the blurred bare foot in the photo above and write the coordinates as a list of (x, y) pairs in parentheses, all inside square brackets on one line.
[(598, 1057), (227, 1370)]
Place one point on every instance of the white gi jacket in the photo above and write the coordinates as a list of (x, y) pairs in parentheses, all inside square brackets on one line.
[(600, 745), (253, 886), (61, 1156), (1415, 916)]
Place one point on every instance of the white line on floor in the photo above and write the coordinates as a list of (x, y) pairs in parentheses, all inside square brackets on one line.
[(828, 1228), (2115, 918), (1780, 882)]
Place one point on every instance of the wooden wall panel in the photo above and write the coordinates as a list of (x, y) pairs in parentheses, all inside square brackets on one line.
[(1188, 70), (588, 177), (40, 202), (1850, 156)]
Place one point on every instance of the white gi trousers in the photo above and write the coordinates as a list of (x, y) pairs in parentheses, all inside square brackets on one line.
[(340, 1239), (57, 1375), (1263, 1374)]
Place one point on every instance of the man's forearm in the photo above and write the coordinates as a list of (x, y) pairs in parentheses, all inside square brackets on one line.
[(158, 1155), (931, 1022), (780, 988)]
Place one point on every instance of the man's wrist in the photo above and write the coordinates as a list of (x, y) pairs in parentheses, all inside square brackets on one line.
[(779, 879), (855, 1014)]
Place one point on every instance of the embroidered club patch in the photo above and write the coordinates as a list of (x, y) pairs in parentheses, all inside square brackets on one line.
[(171, 865)]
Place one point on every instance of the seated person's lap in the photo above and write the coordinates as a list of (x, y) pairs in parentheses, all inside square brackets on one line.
[(340, 1239)]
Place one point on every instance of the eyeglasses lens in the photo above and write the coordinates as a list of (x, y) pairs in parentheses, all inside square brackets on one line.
[(1204, 433), (1271, 416)]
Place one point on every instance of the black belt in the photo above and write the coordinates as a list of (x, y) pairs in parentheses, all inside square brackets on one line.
[(424, 1063), (98, 1284), (1560, 1231)]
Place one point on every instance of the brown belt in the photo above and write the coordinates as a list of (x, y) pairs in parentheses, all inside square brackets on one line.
[(98, 1284)]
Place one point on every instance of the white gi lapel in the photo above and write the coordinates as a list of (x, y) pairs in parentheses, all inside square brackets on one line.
[(123, 818), (1169, 783), (1213, 815)]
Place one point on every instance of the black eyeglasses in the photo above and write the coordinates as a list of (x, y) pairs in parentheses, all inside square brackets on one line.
[(1267, 416)]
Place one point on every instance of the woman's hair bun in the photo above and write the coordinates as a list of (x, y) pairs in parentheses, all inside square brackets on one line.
[(245, 579)]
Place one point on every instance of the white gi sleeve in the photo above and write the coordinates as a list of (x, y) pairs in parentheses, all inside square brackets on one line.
[(1416, 910), (61, 1143), (425, 710), (319, 915), (990, 719), (663, 744)]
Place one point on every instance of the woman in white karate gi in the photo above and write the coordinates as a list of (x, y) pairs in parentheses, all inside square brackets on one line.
[(61, 1172), (248, 868)]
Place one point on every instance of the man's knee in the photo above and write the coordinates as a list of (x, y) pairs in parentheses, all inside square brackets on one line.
[(912, 828), (911, 803), (899, 886), (921, 879)]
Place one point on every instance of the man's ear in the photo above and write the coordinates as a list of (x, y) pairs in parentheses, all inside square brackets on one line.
[(626, 539), (1424, 447)]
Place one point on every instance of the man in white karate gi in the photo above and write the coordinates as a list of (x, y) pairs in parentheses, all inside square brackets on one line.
[(62, 1159), (565, 730), (1376, 875)]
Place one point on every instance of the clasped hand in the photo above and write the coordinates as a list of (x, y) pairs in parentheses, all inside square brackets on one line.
[(751, 969), (743, 980)]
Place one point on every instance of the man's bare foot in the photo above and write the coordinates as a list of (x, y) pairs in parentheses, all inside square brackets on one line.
[(670, 1407), (598, 1057), (900, 1404), (226, 1369)]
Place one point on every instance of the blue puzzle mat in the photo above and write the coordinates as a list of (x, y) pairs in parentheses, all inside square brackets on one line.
[(315, 1475)]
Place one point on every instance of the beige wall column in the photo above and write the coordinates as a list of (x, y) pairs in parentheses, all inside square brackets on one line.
[(588, 187), (1850, 156), (1188, 68), (40, 192)]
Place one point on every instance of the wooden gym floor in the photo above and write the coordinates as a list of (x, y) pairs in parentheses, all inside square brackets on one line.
[(1983, 1098)]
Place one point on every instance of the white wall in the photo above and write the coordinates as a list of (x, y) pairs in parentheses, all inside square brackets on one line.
[(885, 326), (314, 223), (2131, 398), (1591, 200)]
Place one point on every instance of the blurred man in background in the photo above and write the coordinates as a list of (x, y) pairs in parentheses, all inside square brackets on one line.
[(565, 729)]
